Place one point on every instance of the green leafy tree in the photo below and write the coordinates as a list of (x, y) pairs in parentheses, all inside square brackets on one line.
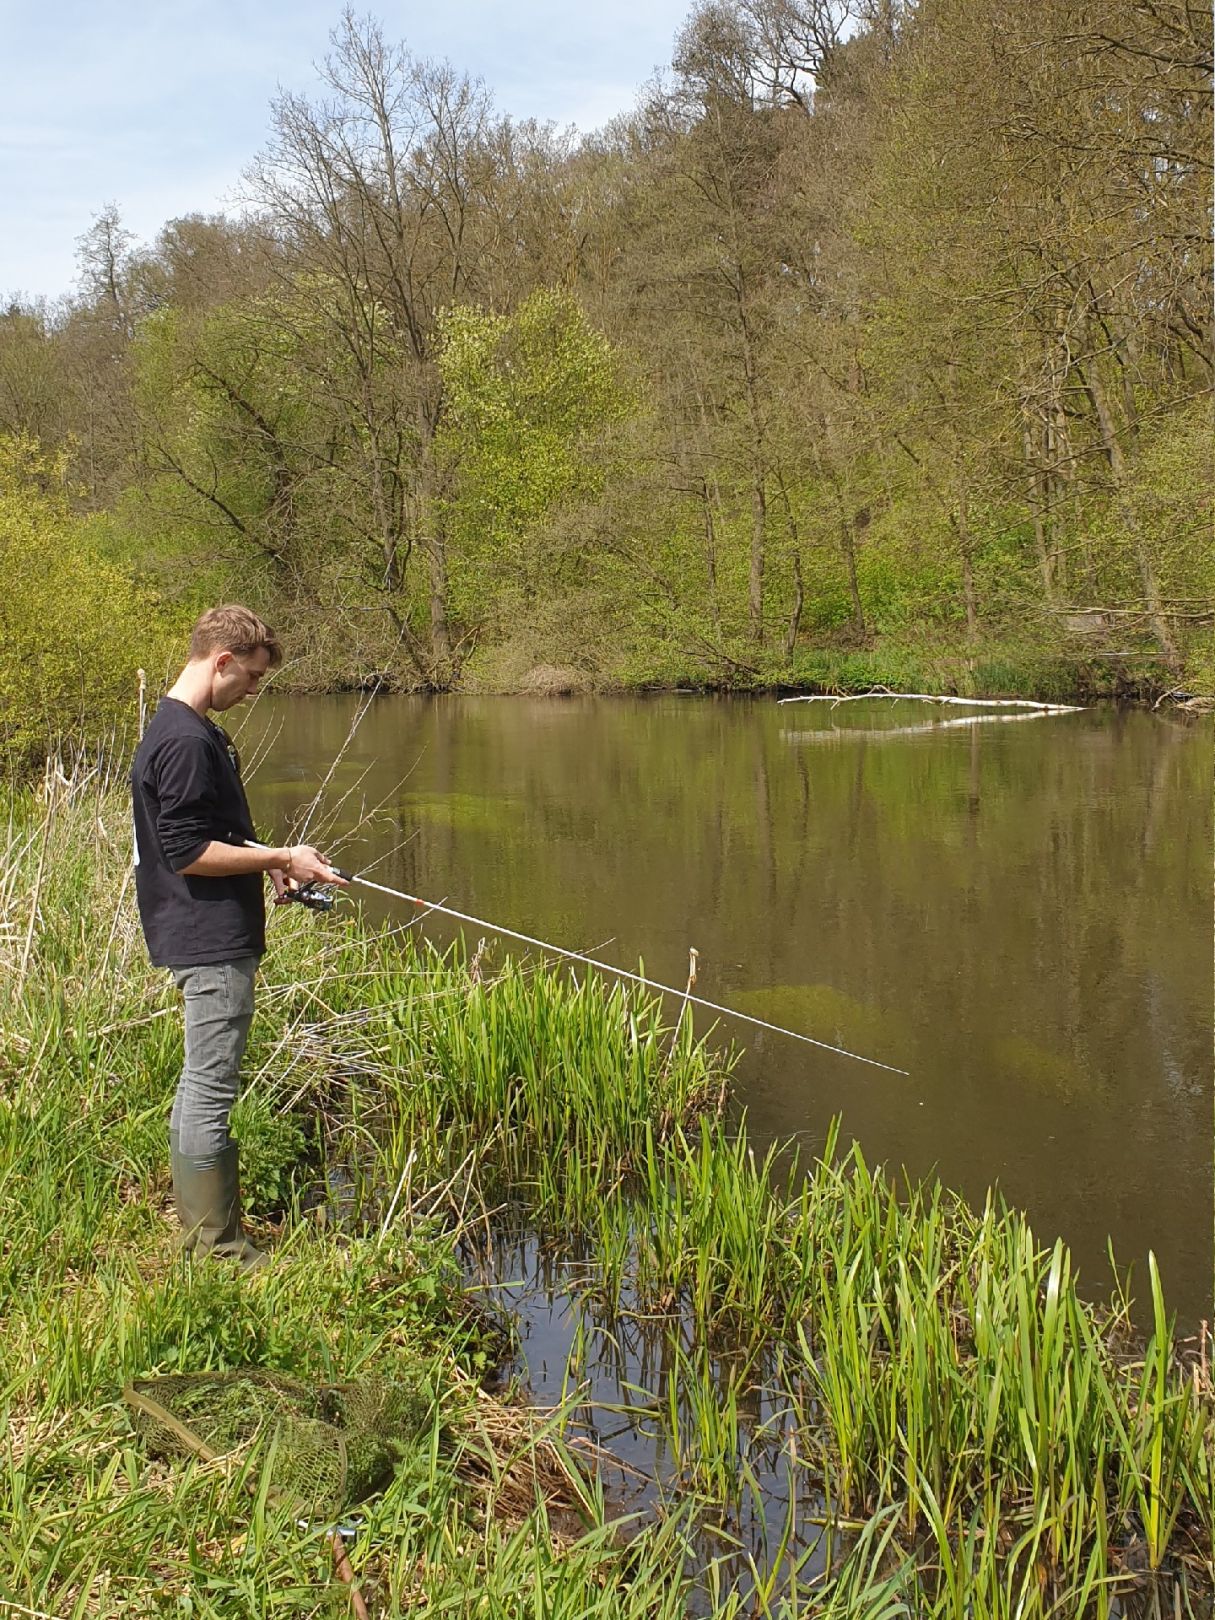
[(529, 399), (74, 627)]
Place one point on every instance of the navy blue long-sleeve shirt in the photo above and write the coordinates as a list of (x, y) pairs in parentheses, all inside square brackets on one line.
[(186, 792)]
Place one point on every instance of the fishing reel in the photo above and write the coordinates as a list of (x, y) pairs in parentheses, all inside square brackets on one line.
[(313, 895)]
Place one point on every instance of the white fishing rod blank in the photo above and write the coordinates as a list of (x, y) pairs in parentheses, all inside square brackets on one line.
[(606, 967)]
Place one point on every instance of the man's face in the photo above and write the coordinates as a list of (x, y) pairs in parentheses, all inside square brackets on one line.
[(237, 676)]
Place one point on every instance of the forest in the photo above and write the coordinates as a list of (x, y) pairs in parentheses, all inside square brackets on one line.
[(872, 344)]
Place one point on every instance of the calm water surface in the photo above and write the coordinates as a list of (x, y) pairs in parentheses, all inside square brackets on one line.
[(1018, 912)]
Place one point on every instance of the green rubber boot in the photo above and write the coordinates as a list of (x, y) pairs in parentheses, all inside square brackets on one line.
[(207, 1195)]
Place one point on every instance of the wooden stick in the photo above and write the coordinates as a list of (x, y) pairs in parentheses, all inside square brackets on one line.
[(341, 1565), (937, 697)]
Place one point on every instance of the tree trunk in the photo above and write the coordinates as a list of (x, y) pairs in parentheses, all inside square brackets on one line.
[(759, 524), (799, 590), (711, 554), (440, 629), (1037, 506), (1060, 468), (435, 544), (1095, 389), (799, 602), (848, 548), (848, 542), (759, 500), (961, 526)]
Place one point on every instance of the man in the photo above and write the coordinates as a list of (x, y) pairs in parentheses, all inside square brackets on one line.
[(200, 893)]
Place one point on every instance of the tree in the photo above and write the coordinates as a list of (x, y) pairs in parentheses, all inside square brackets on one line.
[(529, 397), (73, 626), (377, 192), (33, 388), (899, 315), (230, 436)]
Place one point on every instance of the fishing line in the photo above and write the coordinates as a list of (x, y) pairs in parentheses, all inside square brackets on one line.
[(606, 967)]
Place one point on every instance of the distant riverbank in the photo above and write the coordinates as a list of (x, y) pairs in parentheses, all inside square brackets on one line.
[(1061, 678)]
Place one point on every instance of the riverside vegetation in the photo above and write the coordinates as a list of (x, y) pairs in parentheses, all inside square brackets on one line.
[(956, 1432), (872, 345)]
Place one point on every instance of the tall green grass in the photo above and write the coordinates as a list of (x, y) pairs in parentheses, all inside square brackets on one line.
[(355, 1071), (942, 1375), (955, 1431)]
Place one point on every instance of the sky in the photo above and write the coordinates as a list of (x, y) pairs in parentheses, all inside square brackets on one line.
[(158, 107)]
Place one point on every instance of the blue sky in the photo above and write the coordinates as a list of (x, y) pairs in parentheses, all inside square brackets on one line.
[(158, 107)]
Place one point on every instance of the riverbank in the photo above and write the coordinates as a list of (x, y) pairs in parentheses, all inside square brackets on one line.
[(1078, 675), (956, 1430)]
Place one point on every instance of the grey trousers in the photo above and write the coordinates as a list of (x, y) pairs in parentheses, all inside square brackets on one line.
[(219, 1010)]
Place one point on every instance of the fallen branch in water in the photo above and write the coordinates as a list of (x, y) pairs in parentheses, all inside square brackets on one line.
[(936, 697)]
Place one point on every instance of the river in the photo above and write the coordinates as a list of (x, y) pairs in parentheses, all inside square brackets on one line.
[(1017, 911)]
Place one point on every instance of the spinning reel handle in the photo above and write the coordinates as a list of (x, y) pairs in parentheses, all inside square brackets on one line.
[(311, 895)]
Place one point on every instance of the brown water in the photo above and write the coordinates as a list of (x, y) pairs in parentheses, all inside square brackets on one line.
[(1016, 911)]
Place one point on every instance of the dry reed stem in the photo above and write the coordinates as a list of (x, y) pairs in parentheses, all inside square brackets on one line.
[(519, 1464), (35, 897)]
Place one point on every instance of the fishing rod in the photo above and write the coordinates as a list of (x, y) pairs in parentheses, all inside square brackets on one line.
[(319, 898)]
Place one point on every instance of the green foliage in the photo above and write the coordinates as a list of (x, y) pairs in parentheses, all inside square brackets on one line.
[(95, 1296), (273, 1147), (1173, 497), (528, 399), (234, 401), (74, 627), (923, 359), (907, 581)]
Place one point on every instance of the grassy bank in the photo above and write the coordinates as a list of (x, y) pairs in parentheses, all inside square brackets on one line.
[(996, 670), (957, 1432), (1079, 670)]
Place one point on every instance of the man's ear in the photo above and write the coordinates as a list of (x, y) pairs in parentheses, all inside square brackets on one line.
[(222, 660)]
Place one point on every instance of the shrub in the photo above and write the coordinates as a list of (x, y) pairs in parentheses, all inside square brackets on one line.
[(74, 627)]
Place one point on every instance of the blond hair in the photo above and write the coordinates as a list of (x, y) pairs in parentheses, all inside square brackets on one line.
[(233, 629)]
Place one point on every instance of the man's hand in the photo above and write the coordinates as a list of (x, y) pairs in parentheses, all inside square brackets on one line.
[(308, 865), (303, 860), (299, 864)]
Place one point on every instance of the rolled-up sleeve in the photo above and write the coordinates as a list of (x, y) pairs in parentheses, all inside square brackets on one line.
[(187, 816)]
